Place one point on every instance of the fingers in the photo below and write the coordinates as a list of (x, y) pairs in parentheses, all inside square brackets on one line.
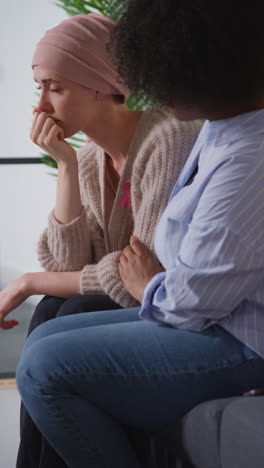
[(50, 134), (135, 249), (128, 252), (8, 324), (35, 116), (123, 261), (121, 267), (41, 124), (45, 130), (55, 132), (127, 257), (37, 125), (36, 110), (133, 254), (138, 247)]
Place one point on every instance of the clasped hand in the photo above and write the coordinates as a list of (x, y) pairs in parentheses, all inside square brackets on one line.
[(47, 134), (137, 266)]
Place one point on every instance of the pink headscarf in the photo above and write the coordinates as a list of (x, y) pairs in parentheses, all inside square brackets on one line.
[(76, 50)]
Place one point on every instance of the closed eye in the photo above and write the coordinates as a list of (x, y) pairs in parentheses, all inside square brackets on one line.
[(52, 90)]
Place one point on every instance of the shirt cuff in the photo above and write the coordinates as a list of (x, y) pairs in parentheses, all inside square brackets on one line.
[(186, 320), (148, 311)]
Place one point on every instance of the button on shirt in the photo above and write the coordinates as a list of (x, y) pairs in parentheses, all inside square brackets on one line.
[(210, 239)]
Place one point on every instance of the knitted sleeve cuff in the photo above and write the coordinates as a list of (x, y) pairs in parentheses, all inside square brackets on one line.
[(104, 278), (108, 274), (45, 258), (68, 245), (90, 283)]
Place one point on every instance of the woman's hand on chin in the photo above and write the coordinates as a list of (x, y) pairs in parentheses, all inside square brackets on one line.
[(48, 134), (137, 266)]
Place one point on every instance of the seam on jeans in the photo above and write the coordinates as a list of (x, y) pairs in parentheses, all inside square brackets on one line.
[(173, 374)]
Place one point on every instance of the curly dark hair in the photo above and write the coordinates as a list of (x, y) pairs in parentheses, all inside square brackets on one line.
[(202, 53)]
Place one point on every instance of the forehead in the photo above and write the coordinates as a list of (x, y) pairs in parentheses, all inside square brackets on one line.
[(44, 75)]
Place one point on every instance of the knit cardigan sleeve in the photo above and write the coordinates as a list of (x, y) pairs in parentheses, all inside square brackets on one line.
[(155, 173), (65, 247), (68, 247)]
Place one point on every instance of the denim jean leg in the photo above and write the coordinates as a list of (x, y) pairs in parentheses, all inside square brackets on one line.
[(32, 448), (30, 438), (81, 385)]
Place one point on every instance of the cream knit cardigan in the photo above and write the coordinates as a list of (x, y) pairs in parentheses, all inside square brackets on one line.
[(156, 156)]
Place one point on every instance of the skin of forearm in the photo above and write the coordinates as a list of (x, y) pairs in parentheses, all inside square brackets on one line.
[(68, 200), (60, 284)]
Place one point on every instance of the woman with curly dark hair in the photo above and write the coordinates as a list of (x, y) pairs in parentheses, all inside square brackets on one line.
[(193, 56), (199, 332)]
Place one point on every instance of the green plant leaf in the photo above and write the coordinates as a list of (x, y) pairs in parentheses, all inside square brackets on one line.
[(81, 140), (49, 161)]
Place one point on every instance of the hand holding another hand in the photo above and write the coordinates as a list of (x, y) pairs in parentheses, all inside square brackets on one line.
[(137, 266)]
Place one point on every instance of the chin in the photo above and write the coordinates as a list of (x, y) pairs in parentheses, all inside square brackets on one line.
[(69, 132)]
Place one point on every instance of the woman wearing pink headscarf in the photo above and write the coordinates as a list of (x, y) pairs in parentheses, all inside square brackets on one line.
[(117, 185)]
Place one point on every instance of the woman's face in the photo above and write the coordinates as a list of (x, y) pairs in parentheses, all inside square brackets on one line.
[(72, 106)]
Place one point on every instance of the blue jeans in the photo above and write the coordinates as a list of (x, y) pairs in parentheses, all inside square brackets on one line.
[(34, 451), (83, 377)]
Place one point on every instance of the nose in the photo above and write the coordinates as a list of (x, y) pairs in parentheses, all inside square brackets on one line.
[(44, 104)]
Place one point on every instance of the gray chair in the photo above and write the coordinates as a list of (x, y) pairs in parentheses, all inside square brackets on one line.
[(226, 433)]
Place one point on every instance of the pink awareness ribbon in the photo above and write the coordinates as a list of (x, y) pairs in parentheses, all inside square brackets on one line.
[(126, 200)]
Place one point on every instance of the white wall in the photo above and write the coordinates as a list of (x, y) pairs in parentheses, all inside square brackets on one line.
[(26, 191), (26, 197), (27, 194), (22, 24)]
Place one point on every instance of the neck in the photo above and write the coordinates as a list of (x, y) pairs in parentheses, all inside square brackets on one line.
[(115, 133), (218, 114), (235, 111)]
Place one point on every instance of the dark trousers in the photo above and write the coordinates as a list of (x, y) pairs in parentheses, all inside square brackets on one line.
[(34, 451)]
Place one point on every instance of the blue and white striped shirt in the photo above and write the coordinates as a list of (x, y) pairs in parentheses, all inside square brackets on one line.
[(210, 239)]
